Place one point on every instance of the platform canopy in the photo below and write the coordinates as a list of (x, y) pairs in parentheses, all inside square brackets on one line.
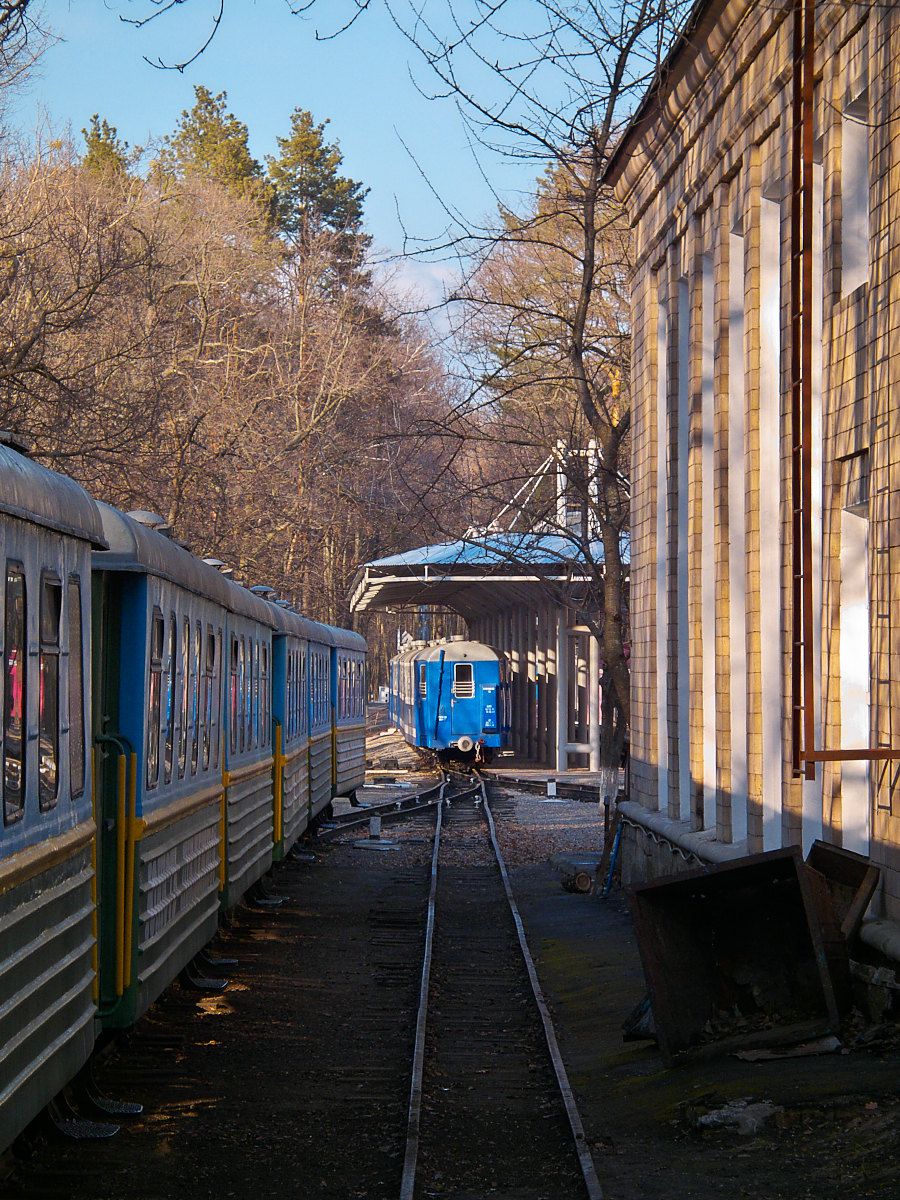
[(478, 574)]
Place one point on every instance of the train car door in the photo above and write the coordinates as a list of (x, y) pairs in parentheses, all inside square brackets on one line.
[(465, 714)]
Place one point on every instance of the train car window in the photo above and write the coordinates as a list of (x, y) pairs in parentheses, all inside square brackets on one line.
[(76, 686), (301, 693), (195, 698), (463, 680), (217, 699), (314, 688), (255, 688), (185, 665), (289, 714), (171, 698), (264, 691), (234, 696), (48, 707), (14, 692), (242, 718), (154, 698), (295, 699), (423, 684), (209, 670)]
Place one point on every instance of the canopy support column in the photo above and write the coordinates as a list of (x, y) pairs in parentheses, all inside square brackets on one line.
[(594, 702), (562, 689)]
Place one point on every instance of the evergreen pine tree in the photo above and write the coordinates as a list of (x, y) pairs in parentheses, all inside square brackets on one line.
[(212, 142), (104, 153), (311, 194)]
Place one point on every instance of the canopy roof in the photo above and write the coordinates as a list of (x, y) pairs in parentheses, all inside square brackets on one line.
[(477, 576)]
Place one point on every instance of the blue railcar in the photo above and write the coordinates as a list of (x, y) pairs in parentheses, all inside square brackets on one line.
[(166, 734), (183, 720), (348, 698), (451, 697), (48, 526)]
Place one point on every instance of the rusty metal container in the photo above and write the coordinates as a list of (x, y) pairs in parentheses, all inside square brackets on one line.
[(851, 880), (735, 955)]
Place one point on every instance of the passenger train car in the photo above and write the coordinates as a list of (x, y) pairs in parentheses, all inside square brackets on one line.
[(451, 697), (167, 734)]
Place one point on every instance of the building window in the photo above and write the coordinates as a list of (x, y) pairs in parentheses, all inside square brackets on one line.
[(737, 556), (855, 196), (48, 709), (770, 552), (14, 693), (76, 687)]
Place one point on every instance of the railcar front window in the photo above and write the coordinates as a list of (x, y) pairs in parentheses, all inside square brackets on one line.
[(154, 698), (14, 669), (463, 681), (48, 715), (76, 687)]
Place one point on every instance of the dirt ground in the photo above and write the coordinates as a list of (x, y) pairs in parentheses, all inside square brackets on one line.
[(294, 1081)]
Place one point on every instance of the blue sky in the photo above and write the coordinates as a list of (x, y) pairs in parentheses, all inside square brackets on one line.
[(269, 61)]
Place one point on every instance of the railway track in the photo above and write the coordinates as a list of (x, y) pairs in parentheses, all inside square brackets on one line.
[(491, 1109), (319, 1024)]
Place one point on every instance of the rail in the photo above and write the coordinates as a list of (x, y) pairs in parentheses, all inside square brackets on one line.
[(414, 1115)]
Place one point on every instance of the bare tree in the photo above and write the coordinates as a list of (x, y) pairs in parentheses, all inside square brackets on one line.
[(550, 81)]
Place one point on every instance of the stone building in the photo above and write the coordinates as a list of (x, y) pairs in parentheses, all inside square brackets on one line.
[(729, 753)]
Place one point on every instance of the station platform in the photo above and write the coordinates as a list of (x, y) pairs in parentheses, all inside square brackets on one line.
[(575, 782)]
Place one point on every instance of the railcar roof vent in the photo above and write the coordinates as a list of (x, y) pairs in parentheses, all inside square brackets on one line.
[(16, 441), (457, 637), (152, 520), (214, 562), (263, 590), (284, 604)]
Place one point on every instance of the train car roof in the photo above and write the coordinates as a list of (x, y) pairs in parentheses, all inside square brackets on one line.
[(35, 493), (136, 548), (459, 652), (288, 621), (344, 639), (453, 651)]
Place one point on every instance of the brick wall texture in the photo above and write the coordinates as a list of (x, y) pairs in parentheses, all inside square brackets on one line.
[(710, 161)]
